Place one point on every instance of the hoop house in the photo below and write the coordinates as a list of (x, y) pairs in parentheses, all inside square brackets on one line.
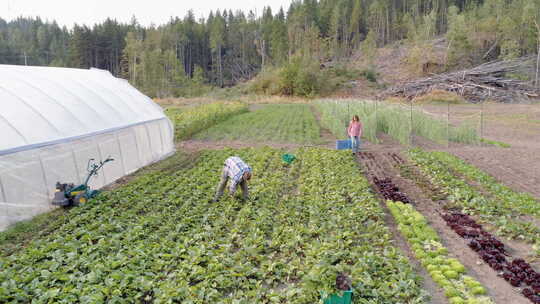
[(53, 120)]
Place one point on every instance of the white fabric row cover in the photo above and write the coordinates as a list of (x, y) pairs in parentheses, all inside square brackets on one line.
[(44, 104), (28, 178), (53, 120)]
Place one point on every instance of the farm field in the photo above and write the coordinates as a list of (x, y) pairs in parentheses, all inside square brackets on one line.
[(161, 239), (405, 225), (189, 121), (269, 123), (397, 121)]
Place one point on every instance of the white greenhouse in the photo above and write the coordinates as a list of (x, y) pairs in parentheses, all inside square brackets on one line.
[(53, 120)]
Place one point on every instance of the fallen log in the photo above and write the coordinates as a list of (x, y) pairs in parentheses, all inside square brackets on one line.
[(490, 80)]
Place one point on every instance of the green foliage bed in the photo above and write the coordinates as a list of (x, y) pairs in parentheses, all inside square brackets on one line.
[(294, 123), (159, 239), (190, 121), (499, 206), (392, 120)]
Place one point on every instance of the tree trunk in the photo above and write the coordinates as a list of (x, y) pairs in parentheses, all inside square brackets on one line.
[(537, 51), (220, 67), (537, 62)]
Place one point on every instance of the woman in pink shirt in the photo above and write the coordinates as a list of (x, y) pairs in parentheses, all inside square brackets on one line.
[(355, 131)]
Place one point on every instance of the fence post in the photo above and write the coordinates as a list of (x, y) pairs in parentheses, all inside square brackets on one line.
[(376, 119), (411, 136), (448, 125), (348, 110), (482, 122)]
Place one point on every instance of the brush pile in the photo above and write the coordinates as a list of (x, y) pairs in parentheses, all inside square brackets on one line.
[(497, 80)]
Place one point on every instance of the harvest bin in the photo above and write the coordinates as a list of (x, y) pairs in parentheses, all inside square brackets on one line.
[(343, 144), (335, 299)]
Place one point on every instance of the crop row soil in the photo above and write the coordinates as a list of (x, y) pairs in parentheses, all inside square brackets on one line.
[(187, 122), (293, 123), (401, 178), (492, 251), (514, 202), (422, 240), (447, 272), (160, 239), (501, 212)]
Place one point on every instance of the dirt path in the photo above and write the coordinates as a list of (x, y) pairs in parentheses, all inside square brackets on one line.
[(193, 145), (328, 138), (383, 165)]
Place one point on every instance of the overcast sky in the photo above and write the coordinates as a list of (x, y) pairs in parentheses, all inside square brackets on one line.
[(68, 12)]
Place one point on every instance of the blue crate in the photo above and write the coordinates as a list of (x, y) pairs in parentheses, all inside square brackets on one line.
[(343, 144)]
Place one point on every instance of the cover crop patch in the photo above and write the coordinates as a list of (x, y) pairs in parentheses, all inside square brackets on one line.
[(190, 121), (273, 123), (393, 120)]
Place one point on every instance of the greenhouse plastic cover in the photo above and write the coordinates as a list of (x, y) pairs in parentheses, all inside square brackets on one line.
[(53, 120)]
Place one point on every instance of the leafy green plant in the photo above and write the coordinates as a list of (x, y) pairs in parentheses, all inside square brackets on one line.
[(426, 245), (502, 210), (293, 123), (190, 121), (495, 143), (514, 202), (160, 239)]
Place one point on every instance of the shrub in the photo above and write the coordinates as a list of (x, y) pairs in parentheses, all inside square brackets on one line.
[(370, 75), (440, 96)]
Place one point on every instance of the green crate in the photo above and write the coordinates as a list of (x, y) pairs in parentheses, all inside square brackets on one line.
[(346, 298), (288, 158)]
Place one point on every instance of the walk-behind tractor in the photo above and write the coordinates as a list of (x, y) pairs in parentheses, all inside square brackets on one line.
[(70, 195)]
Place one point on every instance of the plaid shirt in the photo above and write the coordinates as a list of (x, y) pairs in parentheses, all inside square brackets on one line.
[(235, 168)]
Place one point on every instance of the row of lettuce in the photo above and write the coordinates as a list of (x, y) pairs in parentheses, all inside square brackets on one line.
[(160, 239), (426, 246), (512, 214)]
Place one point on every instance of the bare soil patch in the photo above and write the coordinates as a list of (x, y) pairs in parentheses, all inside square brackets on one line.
[(517, 167)]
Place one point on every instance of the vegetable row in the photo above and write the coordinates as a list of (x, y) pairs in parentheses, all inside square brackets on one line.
[(499, 213), (160, 239), (187, 122), (516, 271), (426, 245), (276, 123), (516, 202)]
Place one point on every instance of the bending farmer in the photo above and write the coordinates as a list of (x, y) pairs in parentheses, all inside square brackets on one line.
[(239, 172)]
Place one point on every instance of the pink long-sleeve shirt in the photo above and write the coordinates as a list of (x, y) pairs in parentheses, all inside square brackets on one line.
[(355, 128)]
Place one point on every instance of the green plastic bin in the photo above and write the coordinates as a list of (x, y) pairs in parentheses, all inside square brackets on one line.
[(346, 298), (288, 158)]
